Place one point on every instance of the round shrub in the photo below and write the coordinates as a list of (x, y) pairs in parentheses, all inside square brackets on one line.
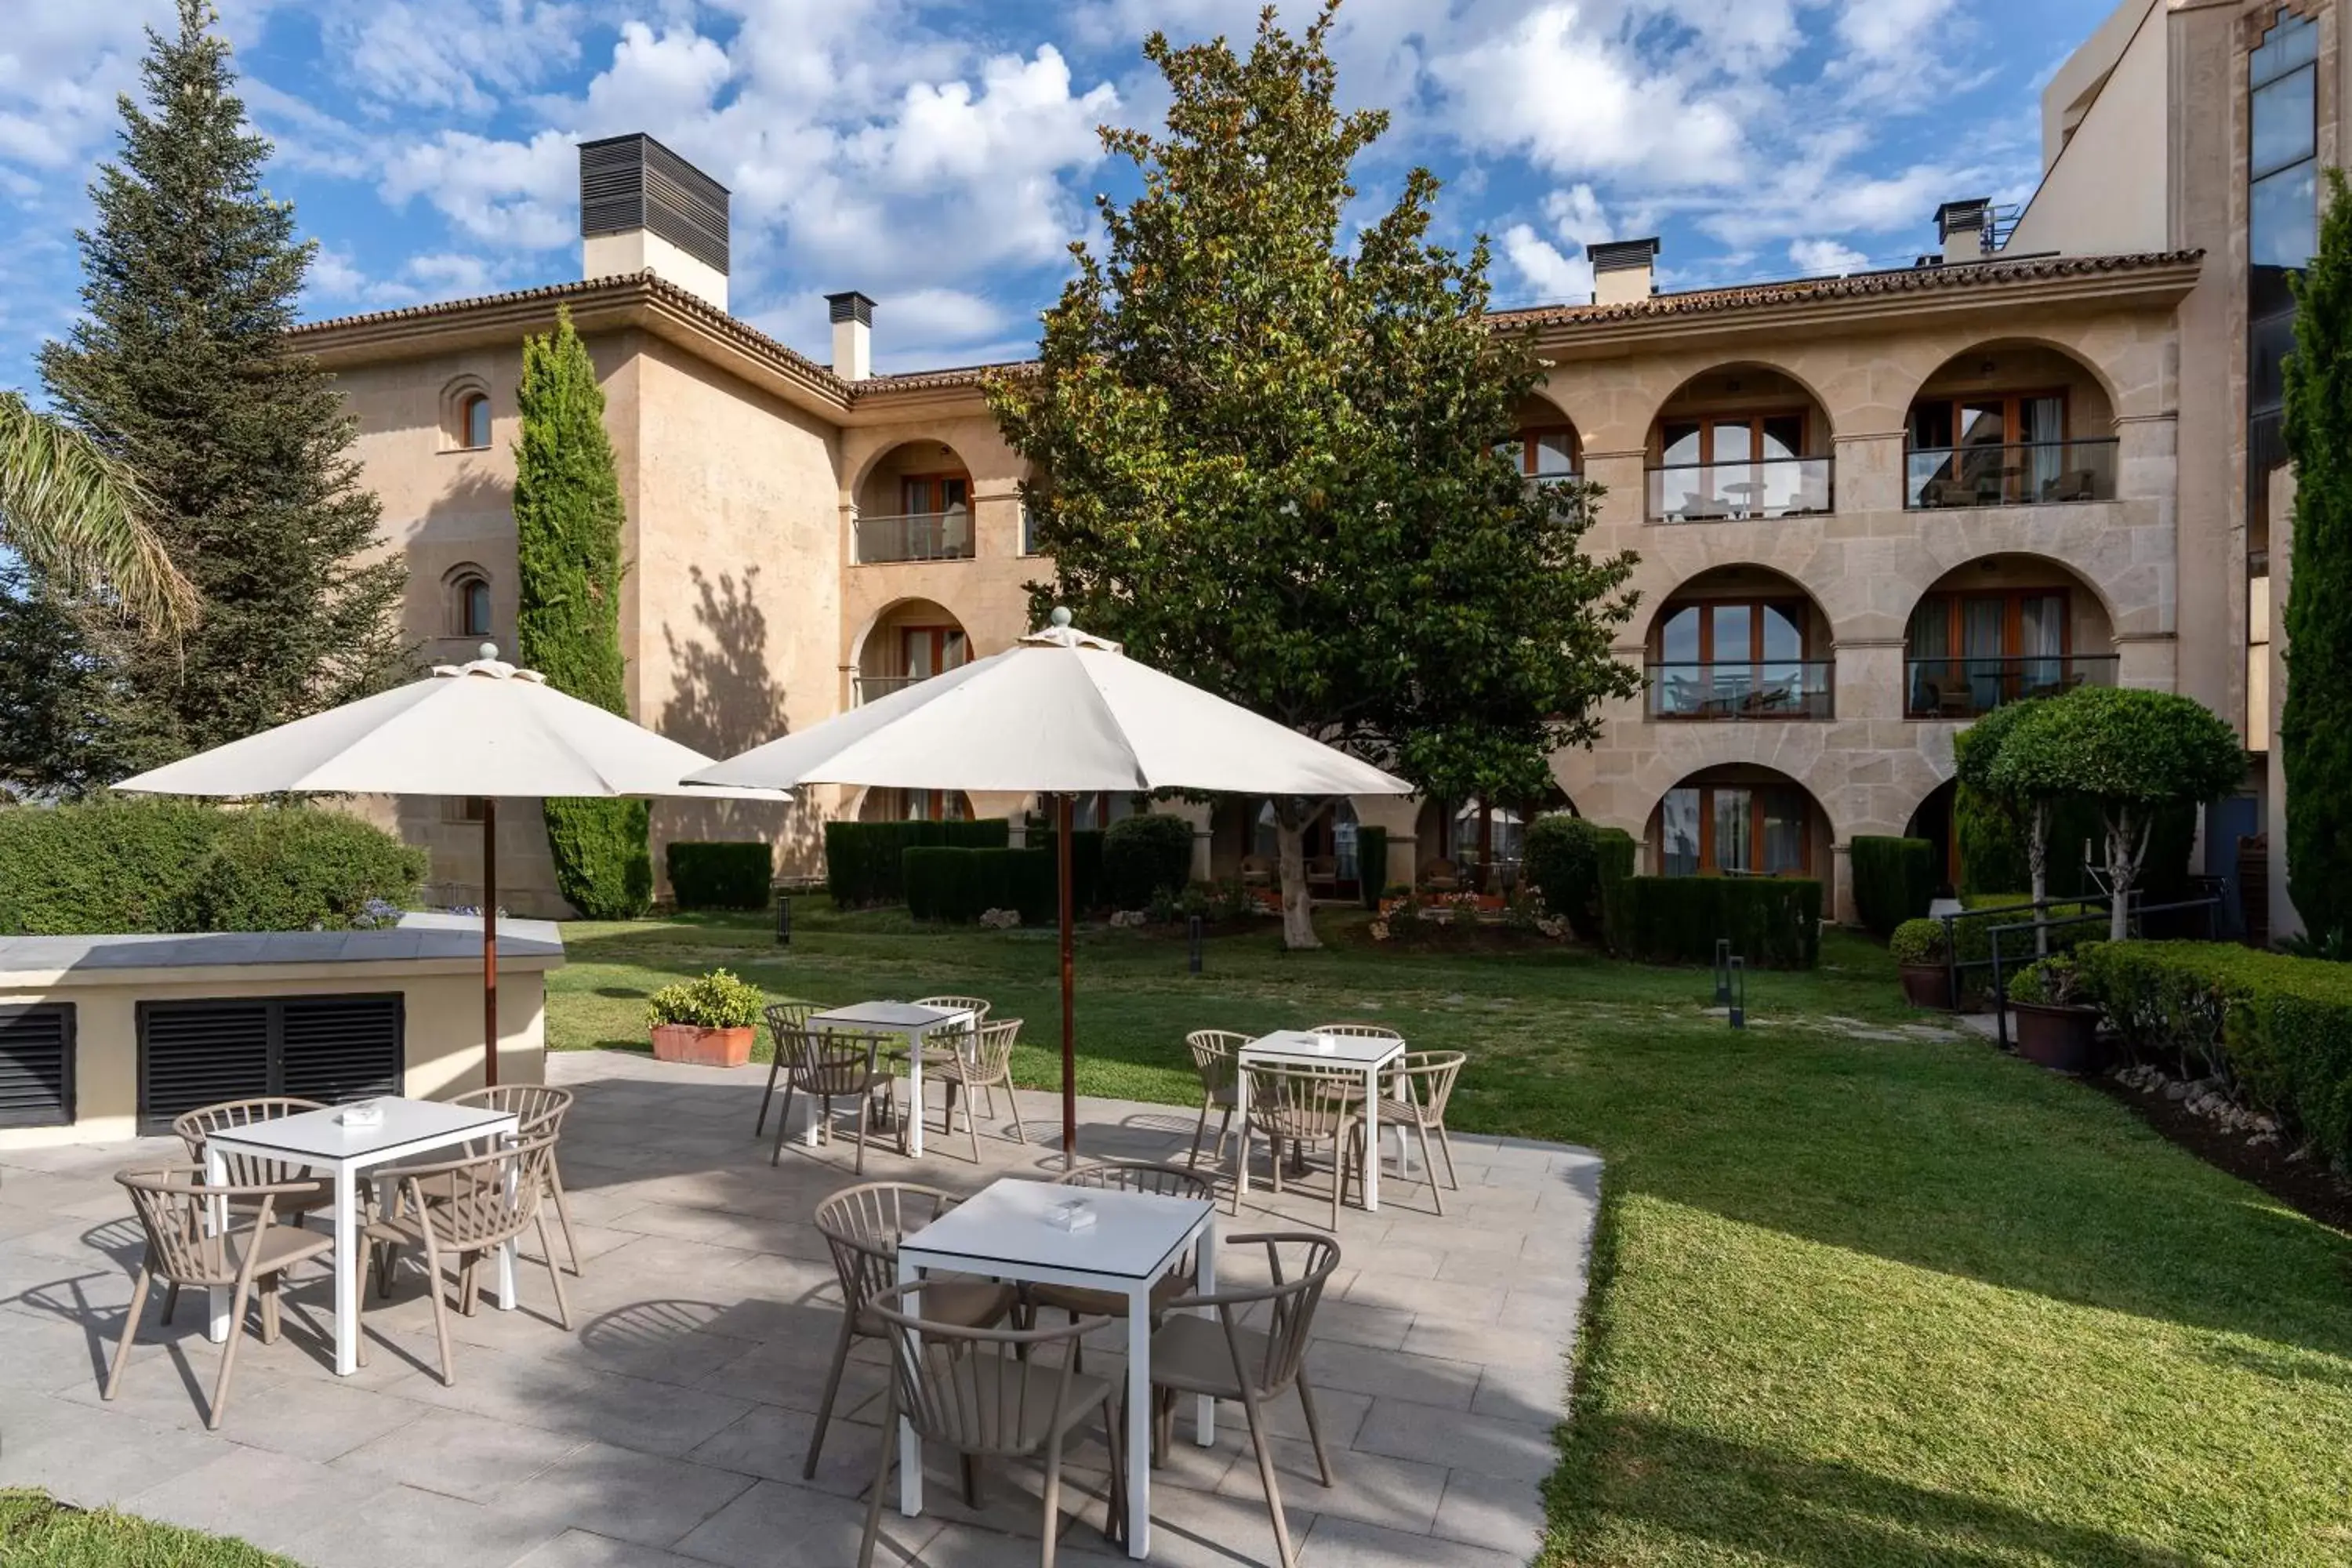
[(1144, 856), (1564, 857), (718, 1000), (1919, 942), (293, 867)]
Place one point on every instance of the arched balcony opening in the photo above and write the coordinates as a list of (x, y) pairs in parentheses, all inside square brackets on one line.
[(1478, 846), (2010, 424), (1740, 820), (915, 504), (1739, 642), (1546, 445), (2002, 628), (910, 641), (1741, 443)]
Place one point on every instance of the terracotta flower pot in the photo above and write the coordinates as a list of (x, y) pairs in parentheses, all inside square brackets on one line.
[(701, 1047), (1926, 985), (2063, 1039)]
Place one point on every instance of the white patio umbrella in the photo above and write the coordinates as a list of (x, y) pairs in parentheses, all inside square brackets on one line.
[(483, 729), (1060, 714)]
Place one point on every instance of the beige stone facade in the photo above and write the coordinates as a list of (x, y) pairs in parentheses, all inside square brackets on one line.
[(800, 540)]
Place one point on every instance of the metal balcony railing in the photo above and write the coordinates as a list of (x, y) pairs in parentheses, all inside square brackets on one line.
[(914, 536), (1730, 692), (2024, 473), (1963, 688), (1732, 492)]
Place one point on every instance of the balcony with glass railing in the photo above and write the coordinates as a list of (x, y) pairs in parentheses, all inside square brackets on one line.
[(2023, 473), (1964, 688), (864, 689), (1727, 693), (1740, 491), (914, 536)]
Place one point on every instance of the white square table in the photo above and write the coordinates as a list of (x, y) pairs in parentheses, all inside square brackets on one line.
[(1301, 1047), (908, 1019), (1004, 1234), (316, 1140)]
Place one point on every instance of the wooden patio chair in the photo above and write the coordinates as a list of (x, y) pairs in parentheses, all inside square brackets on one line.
[(782, 1019)]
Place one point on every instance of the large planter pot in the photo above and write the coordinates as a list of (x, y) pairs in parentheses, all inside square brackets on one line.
[(701, 1047), (1926, 984), (2063, 1039)]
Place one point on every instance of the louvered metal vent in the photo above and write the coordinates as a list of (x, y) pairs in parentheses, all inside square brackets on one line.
[(36, 1065), (319, 1048), (635, 181)]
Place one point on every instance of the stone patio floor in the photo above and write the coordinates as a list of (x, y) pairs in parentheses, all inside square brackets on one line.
[(670, 1427)]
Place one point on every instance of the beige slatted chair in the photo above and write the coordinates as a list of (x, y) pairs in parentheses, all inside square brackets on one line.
[(193, 1127), (1359, 1031), (458, 1211), (1129, 1176), (1215, 1056), (1302, 1108), (827, 1068), (862, 1225), (1441, 876), (1218, 1356), (539, 1110), (988, 1066), (783, 1017), (989, 1393), (1414, 1095), (201, 1237)]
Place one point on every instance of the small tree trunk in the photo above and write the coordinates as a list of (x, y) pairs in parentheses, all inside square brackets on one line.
[(1291, 816), (2037, 859), (2127, 844)]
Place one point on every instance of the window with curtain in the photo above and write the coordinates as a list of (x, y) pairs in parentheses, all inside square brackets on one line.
[(1720, 656), (1734, 829), (1733, 464), (1969, 653), (1546, 452)]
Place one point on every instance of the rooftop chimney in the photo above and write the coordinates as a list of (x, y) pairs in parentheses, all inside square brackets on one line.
[(853, 335), (1623, 270), (643, 208), (1966, 229)]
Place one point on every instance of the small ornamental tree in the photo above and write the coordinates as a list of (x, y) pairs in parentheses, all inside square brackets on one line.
[(568, 518), (1978, 752), (2133, 752), (2316, 724)]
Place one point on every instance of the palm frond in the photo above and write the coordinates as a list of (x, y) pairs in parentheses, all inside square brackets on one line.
[(74, 513)]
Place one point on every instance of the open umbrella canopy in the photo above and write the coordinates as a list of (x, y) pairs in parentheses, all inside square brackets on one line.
[(1059, 712), (484, 729)]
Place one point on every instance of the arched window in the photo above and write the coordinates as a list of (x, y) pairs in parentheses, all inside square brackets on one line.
[(474, 421), (471, 605)]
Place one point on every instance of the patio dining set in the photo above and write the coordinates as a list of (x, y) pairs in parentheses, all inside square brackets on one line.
[(982, 1304)]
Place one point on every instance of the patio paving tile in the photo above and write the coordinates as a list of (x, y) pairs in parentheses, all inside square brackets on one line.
[(774, 1523), (583, 1548), (464, 1455), (270, 1499), (1485, 1443), (1502, 1513), (1346, 1543), (403, 1527), (626, 1495)]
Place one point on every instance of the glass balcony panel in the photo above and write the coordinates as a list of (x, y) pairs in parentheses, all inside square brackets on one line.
[(1739, 491), (2017, 473), (1970, 685), (914, 536), (1745, 690)]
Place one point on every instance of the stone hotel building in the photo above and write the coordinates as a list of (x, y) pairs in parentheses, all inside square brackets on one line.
[(1867, 509)]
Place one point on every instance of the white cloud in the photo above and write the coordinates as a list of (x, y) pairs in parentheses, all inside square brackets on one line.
[(1551, 278), (1826, 256), (655, 80), (1890, 29), (1576, 215), (462, 55), (520, 194)]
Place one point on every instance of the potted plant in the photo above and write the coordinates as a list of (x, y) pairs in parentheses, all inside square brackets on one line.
[(2055, 1028), (1923, 958), (706, 1021)]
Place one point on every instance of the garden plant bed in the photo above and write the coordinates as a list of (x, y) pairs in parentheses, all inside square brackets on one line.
[(1844, 1276), (37, 1531), (2305, 1185)]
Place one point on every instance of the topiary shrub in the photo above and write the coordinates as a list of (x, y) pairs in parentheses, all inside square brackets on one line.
[(1144, 856), (1085, 866), (1616, 854), (1894, 880), (862, 858), (1371, 864), (1774, 922), (958, 886), (1918, 940), (722, 874), (1564, 855)]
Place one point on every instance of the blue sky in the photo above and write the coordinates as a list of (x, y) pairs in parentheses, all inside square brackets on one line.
[(940, 157)]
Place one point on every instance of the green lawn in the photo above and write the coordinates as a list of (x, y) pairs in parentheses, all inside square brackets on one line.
[(1858, 1299), (36, 1532)]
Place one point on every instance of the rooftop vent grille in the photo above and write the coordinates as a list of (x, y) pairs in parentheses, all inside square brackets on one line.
[(634, 181)]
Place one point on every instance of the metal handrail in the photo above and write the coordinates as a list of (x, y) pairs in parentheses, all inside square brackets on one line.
[(1745, 689), (2138, 912)]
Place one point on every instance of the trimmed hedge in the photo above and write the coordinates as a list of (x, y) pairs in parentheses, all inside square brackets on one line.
[(1086, 866), (1616, 854), (2278, 1029), (1563, 861), (861, 859), (1774, 922), (138, 866), (722, 874), (1143, 855), (1894, 880), (1371, 864), (958, 886)]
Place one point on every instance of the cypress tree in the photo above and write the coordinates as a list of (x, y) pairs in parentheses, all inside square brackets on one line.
[(179, 370), (568, 520), (2315, 727)]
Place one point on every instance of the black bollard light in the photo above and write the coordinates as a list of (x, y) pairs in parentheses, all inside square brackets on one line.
[(784, 919), (1737, 992), (1193, 926), (1723, 961)]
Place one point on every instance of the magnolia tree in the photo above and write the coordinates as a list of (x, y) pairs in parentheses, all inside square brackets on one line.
[(2132, 754), (1977, 751)]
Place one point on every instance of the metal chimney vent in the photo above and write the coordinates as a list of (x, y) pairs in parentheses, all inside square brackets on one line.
[(634, 181), (1621, 255)]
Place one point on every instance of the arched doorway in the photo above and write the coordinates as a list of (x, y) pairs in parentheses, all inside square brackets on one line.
[(1740, 820), (912, 640), (1999, 628), (1738, 643), (1934, 821), (2010, 424), (1736, 444)]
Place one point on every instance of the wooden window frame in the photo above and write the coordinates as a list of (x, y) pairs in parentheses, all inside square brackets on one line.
[(939, 632), (463, 588), (466, 404), (935, 480), (1708, 866), (2010, 423), (1753, 418), (1526, 439), (2012, 621), (1797, 609)]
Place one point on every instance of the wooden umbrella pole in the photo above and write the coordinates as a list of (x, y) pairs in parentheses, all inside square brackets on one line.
[(489, 942), (1069, 1016)]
